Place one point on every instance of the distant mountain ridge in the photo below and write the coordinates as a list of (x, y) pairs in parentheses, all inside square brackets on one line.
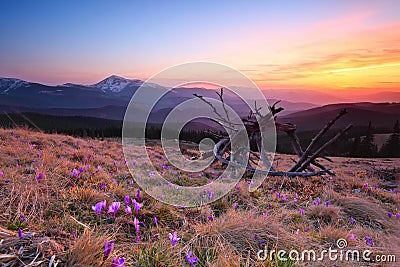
[(109, 98), (113, 91)]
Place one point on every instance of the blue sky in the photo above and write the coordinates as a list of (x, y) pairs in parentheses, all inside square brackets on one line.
[(84, 41)]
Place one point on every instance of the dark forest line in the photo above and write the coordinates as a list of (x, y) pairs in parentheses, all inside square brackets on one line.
[(359, 141)]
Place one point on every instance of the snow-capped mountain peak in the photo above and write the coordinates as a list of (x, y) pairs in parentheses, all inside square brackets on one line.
[(116, 84), (7, 84)]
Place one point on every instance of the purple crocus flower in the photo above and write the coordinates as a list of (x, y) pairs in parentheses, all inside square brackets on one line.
[(138, 194), (390, 214), (234, 205), (128, 210), (155, 221), (40, 176), (352, 220), (352, 237), (301, 211), (211, 217), (327, 203), (118, 262), (20, 234), (75, 172), (307, 229), (136, 205), (174, 238), (136, 224), (127, 200), (319, 201), (22, 217), (104, 203), (113, 208), (1, 174), (102, 186), (397, 216), (211, 194), (369, 241), (108, 248), (99, 206), (191, 259)]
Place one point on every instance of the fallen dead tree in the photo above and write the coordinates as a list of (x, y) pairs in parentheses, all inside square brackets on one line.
[(306, 164)]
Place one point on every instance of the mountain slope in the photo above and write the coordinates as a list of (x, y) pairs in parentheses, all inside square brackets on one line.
[(359, 114), (116, 84)]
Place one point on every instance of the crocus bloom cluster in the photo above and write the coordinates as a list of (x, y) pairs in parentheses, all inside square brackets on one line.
[(99, 207), (174, 238), (192, 260), (301, 211)]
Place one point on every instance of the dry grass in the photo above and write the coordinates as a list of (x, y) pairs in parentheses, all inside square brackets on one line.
[(366, 212), (87, 251), (57, 208)]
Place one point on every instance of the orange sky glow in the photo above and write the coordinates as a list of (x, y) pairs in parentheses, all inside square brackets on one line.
[(342, 47)]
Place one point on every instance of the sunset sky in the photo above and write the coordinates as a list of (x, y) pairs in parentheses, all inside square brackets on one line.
[(324, 45)]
